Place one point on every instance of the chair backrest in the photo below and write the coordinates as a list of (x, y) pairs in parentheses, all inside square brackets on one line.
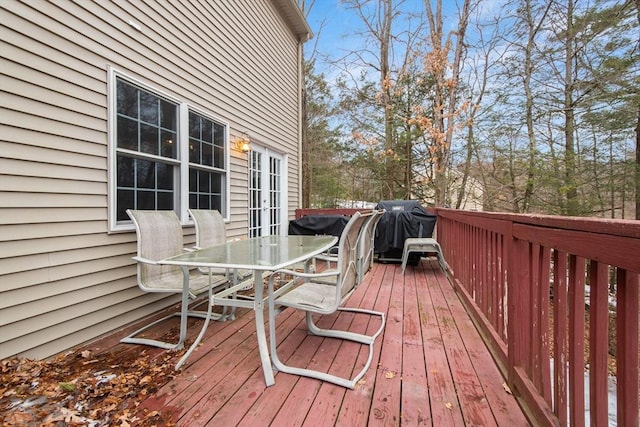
[(367, 237), (159, 235), (210, 228), (348, 254)]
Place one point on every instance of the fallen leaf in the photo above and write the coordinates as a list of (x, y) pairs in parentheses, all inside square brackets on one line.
[(86, 354), (448, 405), (67, 386), (506, 388), (389, 374)]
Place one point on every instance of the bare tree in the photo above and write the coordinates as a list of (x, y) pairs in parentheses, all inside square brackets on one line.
[(445, 88)]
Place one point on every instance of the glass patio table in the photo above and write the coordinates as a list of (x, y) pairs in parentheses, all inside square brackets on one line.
[(260, 254)]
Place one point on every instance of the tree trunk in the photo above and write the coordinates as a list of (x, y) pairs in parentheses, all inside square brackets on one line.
[(385, 88), (571, 191), (637, 168), (533, 30)]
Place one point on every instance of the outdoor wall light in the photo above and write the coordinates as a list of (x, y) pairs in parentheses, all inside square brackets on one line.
[(243, 143)]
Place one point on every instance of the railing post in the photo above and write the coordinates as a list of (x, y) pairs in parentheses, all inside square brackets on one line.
[(627, 348)]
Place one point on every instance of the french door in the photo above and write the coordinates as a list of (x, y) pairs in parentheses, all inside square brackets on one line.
[(267, 192)]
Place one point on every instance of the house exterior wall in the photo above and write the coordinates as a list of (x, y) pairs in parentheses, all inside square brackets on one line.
[(64, 277)]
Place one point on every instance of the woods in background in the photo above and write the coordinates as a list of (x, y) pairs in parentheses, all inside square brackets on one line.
[(520, 106)]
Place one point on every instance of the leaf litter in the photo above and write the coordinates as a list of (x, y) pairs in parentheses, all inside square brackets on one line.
[(84, 389)]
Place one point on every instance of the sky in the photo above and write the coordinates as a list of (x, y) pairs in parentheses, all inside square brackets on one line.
[(330, 22), (335, 26)]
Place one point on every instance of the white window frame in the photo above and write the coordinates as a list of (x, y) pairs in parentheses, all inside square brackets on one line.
[(182, 188)]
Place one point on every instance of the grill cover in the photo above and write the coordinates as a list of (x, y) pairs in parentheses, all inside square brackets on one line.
[(312, 225), (402, 219)]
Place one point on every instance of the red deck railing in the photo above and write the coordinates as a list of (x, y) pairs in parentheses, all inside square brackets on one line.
[(538, 288)]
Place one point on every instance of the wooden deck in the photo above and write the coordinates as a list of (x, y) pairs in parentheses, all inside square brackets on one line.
[(430, 367)]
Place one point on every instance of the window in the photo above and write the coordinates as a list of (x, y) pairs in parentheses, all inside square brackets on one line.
[(161, 161), (206, 162)]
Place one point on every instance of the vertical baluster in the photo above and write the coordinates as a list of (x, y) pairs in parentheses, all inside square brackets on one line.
[(560, 355), (576, 339)]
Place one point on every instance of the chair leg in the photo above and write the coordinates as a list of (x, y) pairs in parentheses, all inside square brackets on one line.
[(323, 376), (351, 336), (131, 338), (184, 314), (405, 257)]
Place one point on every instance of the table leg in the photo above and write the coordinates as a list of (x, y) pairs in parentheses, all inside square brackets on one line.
[(260, 329), (185, 315)]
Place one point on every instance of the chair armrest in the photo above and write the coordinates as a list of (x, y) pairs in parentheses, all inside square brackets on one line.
[(275, 293), (332, 250), (144, 260), (325, 273), (327, 257)]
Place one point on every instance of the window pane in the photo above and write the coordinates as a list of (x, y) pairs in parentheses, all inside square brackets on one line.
[(145, 174), (165, 176), (216, 203), (148, 139), (145, 200), (127, 99), (168, 148), (127, 133), (207, 131), (194, 126), (168, 115), (216, 183), (203, 184), (125, 201), (207, 154), (203, 202), (219, 133), (193, 180), (165, 201), (219, 157), (125, 172), (149, 108), (194, 150)]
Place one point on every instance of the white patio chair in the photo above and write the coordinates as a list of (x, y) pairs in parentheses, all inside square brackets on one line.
[(159, 236), (364, 258), (210, 231), (422, 245), (365, 244), (316, 297)]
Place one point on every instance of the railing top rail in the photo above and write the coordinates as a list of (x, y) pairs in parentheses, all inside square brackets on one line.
[(614, 227)]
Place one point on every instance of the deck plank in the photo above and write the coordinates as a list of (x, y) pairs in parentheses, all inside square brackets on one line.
[(386, 397), (504, 409), (415, 394), (475, 408), (430, 365), (443, 400), (357, 403)]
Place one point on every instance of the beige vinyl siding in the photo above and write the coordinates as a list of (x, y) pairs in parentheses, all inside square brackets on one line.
[(64, 279)]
